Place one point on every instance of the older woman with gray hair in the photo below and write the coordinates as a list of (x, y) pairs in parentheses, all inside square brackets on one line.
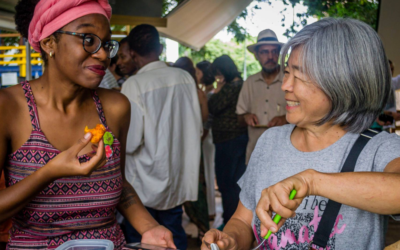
[(336, 83)]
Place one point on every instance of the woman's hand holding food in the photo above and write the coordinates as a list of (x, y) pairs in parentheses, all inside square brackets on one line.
[(223, 240), (276, 199), (67, 163)]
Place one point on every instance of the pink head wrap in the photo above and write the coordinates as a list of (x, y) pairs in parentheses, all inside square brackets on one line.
[(51, 15)]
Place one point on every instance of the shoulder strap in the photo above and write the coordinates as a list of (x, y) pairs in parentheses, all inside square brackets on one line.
[(331, 212), (99, 108), (31, 105)]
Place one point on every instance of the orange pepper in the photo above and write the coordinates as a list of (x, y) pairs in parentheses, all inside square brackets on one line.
[(97, 132)]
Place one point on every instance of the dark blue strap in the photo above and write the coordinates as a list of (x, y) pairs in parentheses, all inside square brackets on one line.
[(331, 212)]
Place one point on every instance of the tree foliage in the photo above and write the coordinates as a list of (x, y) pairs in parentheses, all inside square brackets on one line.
[(363, 10), (237, 51)]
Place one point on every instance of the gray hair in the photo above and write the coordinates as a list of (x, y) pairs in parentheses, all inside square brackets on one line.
[(346, 59)]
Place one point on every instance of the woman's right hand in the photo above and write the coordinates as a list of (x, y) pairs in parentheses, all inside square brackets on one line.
[(67, 163), (223, 240)]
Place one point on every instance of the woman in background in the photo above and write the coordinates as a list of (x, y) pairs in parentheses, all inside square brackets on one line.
[(229, 138), (206, 79), (197, 210), (186, 64)]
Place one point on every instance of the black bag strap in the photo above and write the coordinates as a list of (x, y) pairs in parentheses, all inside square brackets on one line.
[(328, 219)]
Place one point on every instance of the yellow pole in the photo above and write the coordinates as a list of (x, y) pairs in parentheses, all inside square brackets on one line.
[(22, 66)]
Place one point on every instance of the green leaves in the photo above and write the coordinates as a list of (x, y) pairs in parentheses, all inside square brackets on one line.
[(363, 10), (216, 48)]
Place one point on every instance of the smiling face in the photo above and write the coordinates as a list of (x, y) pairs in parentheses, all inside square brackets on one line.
[(72, 62), (306, 103)]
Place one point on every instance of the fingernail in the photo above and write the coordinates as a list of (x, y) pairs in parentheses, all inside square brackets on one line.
[(87, 135), (263, 232), (272, 229)]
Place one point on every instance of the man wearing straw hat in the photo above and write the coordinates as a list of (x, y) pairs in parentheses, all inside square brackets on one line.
[(261, 101)]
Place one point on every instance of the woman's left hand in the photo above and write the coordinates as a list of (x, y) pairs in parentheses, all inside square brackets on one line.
[(276, 199), (159, 236)]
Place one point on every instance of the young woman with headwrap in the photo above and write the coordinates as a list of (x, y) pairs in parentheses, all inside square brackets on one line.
[(59, 186)]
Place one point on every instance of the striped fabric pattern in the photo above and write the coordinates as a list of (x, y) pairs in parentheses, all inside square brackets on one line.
[(69, 208)]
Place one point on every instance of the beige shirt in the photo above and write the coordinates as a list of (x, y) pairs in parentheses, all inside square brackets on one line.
[(163, 143), (263, 100)]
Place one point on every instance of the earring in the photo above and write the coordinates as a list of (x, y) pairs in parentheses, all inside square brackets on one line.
[(51, 53)]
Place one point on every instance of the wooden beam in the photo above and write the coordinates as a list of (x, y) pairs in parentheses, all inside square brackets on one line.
[(10, 35), (136, 20), (120, 32)]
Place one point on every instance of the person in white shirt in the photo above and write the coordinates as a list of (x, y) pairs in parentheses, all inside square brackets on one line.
[(163, 144), (109, 81)]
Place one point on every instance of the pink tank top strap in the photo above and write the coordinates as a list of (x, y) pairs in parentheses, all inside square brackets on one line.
[(34, 113), (99, 108), (31, 105)]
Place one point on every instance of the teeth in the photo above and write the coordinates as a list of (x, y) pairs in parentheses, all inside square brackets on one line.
[(292, 104)]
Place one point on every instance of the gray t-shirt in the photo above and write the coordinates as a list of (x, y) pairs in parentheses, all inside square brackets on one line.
[(275, 159)]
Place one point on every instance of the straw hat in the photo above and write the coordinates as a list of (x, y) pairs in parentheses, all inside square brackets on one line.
[(264, 37)]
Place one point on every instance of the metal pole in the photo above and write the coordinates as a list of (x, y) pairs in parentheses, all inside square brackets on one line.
[(28, 60)]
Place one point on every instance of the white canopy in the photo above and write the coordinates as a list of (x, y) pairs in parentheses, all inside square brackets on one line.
[(195, 22)]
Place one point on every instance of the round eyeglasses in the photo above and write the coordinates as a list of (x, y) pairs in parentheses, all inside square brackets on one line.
[(92, 43)]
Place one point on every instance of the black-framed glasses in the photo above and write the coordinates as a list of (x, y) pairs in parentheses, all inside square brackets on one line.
[(92, 43)]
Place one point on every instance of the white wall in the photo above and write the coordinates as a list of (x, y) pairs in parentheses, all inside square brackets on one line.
[(389, 30), (171, 50)]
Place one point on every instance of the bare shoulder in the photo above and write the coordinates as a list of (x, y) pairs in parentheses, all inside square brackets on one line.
[(12, 100), (116, 108), (14, 110), (114, 101), (10, 93)]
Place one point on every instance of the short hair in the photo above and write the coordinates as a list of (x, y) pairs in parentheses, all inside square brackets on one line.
[(186, 64), (346, 59), (224, 65), (124, 40), (208, 77), (144, 39)]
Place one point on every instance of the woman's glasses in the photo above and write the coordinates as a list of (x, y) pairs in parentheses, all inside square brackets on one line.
[(92, 43)]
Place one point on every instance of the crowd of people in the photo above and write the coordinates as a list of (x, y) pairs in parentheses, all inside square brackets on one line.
[(178, 127)]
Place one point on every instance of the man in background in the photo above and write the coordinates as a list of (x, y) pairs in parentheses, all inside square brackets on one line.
[(125, 62), (163, 143), (262, 102)]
